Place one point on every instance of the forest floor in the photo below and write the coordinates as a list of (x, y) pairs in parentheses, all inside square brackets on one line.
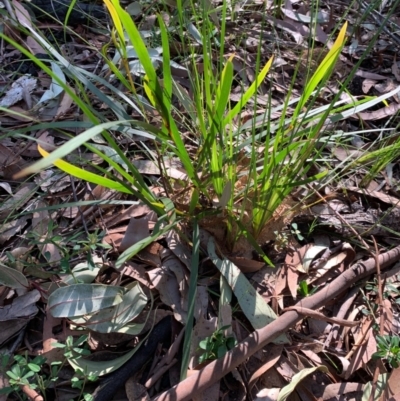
[(101, 299)]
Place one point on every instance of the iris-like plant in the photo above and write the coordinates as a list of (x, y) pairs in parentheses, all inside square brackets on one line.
[(244, 170)]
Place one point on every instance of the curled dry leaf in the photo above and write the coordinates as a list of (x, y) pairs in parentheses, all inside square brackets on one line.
[(273, 357), (167, 285), (363, 353)]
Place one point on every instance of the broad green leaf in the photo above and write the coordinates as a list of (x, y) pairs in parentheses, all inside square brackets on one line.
[(251, 302), (380, 387), (81, 273), (12, 278), (296, 379), (101, 368), (81, 299), (113, 319)]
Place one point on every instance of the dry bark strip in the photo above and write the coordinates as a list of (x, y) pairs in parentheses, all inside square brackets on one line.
[(198, 383)]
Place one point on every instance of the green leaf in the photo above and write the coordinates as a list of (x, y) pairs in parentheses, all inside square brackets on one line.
[(101, 368), (80, 299), (296, 379), (324, 69), (12, 278), (12, 375), (380, 387), (81, 274), (33, 367), (113, 319)]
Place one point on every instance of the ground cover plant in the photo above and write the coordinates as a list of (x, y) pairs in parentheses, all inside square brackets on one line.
[(172, 184)]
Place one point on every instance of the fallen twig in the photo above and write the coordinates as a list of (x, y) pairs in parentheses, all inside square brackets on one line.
[(320, 316)]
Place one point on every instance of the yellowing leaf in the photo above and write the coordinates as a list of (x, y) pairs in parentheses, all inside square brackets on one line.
[(116, 20), (148, 90)]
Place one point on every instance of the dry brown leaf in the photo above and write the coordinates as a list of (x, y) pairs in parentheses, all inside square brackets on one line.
[(273, 356), (173, 264), (343, 389), (138, 272), (12, 228), (363, 354), (22, 307), (40, 225), (285, 368), (167, 285), (151, 254), (246, 265), (136, 391), (24, 19), (179, 248), (383, 112), (114, 237), (65, 104), (137, 210), (391, 200), (137, 230), (201, 302), (10, 163)]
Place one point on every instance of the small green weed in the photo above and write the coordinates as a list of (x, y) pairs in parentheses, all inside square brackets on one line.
[(296, 232), (389, 350), (304, 290), (26, 371), (21, 373), (216, 346)]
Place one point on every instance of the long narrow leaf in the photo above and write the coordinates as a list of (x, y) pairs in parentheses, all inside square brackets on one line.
[(249, 93), (192, 300), (167, 77), (66, 149), (86, 175), (324, 69)]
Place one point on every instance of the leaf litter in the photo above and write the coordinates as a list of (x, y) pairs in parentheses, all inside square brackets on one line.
[(324, 359)]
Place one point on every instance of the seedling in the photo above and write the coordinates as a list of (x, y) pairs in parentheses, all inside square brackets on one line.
[(389, 350), (304, 290), (296, 232), (216, 346), (25, 371)]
